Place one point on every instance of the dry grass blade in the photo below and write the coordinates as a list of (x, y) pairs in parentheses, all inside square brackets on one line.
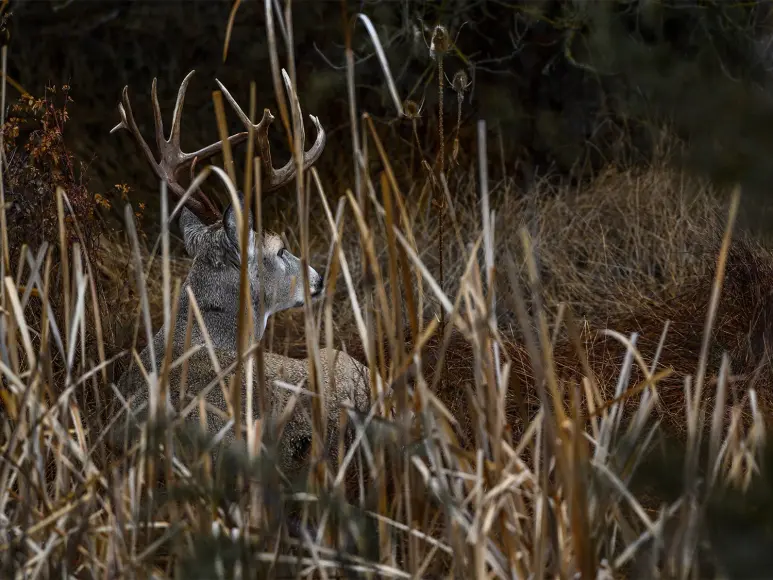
[(144, 303), (5, 259), (229, 27), (13, 297), (274, 59), (439, 294), (396, 101)]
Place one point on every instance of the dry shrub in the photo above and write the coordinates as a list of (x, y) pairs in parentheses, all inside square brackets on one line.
[(631, 251), (38, 163), (631, 237)]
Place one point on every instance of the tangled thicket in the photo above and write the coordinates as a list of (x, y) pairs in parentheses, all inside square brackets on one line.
[(38, 162)]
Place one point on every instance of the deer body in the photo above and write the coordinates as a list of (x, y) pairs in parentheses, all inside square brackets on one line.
[(275, 280), (350, 384)]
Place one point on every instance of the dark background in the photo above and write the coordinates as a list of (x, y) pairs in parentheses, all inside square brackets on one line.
[(568, 86)]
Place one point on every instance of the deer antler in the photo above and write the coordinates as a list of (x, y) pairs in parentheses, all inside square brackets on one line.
[(276, 178), (173, 160)]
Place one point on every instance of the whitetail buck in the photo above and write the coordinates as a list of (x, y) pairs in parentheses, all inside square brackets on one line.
[(214, 281)]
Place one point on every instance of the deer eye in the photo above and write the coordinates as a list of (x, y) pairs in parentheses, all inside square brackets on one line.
[(301, 447), (281, 253)]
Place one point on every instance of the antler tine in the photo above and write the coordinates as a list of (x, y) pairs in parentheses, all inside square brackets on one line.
[(275, 178), (158, 121), (296, 105), (128, 123), (287, 173), (267, 119), (261, 129), (174, 135)]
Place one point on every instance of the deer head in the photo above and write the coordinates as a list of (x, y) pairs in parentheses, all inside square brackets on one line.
[(275, 275)]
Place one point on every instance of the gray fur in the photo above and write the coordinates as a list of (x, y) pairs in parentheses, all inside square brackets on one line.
[(214, 280)]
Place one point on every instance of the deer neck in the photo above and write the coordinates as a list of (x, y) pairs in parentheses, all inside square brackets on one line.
[(220, 318)]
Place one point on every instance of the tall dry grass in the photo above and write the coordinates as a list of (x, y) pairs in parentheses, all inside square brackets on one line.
[(505, 444)]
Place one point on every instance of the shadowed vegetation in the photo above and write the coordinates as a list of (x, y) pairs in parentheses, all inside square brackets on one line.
[(566, 329)]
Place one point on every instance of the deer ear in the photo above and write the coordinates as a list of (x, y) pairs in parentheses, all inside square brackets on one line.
[(231, 230), (193, 231)]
